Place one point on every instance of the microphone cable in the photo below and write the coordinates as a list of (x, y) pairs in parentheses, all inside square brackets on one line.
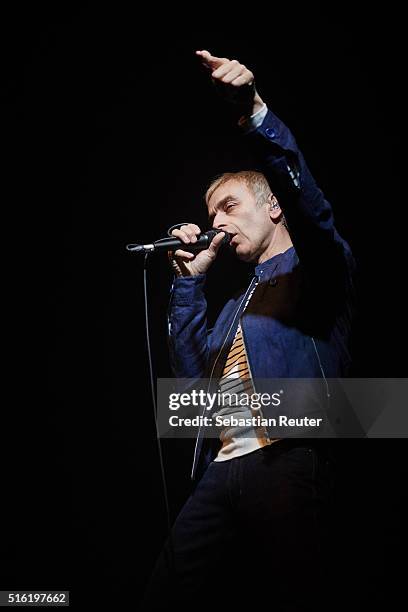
[(171, 561)]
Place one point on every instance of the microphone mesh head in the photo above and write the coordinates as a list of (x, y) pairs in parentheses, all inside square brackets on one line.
[(227, 238)]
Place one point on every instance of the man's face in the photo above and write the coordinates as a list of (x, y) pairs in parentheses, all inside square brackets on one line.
[(232, 208)]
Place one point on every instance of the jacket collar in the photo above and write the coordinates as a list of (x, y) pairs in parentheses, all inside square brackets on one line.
[(274, 261)]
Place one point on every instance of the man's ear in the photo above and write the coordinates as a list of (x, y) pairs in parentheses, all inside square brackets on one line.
[(274, 208)]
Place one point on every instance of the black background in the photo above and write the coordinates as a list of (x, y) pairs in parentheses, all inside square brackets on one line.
[(112, 131)]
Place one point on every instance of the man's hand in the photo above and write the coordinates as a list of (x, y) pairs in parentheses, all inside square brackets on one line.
[(192, 264), (235, 82)]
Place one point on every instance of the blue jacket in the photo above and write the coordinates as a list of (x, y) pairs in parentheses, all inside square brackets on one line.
[(298, 321)]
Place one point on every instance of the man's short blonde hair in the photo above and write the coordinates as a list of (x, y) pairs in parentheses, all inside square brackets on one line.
[(255, 181)]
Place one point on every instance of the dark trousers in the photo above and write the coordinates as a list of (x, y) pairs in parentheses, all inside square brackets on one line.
[(253, 531)]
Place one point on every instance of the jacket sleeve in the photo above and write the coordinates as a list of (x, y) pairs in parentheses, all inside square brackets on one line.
[(309, 216), (187, 327)]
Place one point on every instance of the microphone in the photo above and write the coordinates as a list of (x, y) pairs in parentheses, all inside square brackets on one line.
[(172, 243)]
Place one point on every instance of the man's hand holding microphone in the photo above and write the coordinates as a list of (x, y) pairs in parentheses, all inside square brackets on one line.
[(185, 263)]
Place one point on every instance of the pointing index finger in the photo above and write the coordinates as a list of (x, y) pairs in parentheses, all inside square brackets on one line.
[(210, 61)]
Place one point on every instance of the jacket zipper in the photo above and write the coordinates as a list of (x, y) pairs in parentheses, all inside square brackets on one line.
[(213, 368), (322, 371)]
